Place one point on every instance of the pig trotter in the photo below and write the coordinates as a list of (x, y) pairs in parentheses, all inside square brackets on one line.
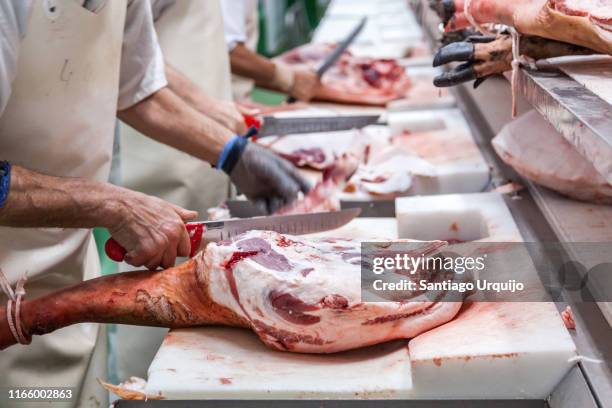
[(483, 56)]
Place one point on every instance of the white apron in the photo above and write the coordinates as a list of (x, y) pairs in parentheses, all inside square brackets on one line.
[(243, 87), (191, 36), (190, 33), (59, 121)]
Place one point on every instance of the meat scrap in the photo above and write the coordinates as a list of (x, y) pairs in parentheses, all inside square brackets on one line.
[(568, 318), (325, 195), (257, 281), (359, 80), (550, 160)]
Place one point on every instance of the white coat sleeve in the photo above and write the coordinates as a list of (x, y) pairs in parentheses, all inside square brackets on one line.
[(142, 63), (234, 21), (14, 16)]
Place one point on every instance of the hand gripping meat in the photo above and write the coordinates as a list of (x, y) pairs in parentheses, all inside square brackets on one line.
[(587, 23), (483, 56), (296, 294)]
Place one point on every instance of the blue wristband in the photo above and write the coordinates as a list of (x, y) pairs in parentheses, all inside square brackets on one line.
[(5, 181), (225, 152), (231, 153)]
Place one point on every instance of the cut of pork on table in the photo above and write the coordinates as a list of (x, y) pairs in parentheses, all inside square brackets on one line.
[(582, 22), (538, 152), (318, 150), (358, 80), (296, 294)]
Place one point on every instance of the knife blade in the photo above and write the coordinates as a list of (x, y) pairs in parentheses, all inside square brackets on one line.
[(203, 232), (332, 58), (273, 126)]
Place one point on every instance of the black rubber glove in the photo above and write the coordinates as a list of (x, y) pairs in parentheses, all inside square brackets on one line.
[(268, 180)]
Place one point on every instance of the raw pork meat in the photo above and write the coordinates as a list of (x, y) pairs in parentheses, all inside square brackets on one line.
[(324, 196), (581, 22), (535, 150), (357, 80), (390, 173), (317, 150), (297, 295)]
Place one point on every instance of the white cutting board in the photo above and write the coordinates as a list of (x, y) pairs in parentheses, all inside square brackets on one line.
[(506, 351), (490, 350), (226, 363)]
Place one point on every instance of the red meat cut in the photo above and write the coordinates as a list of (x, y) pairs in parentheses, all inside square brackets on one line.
[(356, 80)]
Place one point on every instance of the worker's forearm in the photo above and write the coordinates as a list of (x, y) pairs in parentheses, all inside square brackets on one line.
[(187, 90), (167, 118), (223, 112), (38, 200), (249, 64)]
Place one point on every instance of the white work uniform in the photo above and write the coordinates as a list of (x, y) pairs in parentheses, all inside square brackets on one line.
[(60, 94), (190, 33), (241, 26)]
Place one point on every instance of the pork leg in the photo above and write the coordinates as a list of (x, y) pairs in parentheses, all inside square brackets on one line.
[(173, 298), (533, 17)]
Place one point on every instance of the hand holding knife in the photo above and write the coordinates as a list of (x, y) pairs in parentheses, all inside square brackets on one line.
[(203, 232)]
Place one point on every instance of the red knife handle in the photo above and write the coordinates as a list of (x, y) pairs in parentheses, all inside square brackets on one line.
[(250, 120), (116, 252)]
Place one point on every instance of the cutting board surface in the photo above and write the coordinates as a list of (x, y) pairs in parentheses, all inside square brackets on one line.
[(221, 363)]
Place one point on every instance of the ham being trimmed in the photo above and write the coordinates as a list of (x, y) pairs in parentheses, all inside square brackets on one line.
[(296, 294), (356, 80), (538, 152)]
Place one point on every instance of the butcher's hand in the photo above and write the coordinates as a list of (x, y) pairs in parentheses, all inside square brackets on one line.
[(268, 180), (151, 230), (305, 84)]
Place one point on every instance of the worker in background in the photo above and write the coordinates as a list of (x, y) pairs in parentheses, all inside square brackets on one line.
[(68, 68), (190, 34), (250, 68)]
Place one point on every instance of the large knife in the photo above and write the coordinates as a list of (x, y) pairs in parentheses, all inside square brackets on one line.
[(332, 58), (273, 126), (203, 232)]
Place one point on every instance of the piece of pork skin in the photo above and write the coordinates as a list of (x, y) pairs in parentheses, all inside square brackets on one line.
[(546, 18), (296, 294), (539, 153)]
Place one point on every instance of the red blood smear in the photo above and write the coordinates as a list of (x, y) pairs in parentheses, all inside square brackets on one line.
[(292, 309), (237, 257), (284, 242)]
